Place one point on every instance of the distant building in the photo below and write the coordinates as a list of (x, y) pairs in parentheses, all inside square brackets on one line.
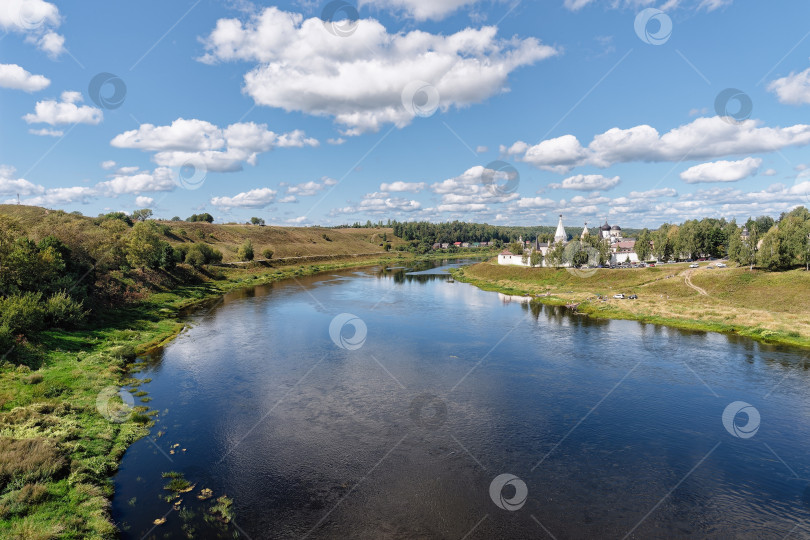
[(506, 257)]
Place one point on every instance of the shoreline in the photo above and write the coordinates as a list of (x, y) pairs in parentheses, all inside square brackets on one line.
[(586, 305)]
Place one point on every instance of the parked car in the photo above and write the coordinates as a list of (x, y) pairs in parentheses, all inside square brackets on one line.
[(694, 265), (633, 297), (619, 296), (721, 265), (652, 264)]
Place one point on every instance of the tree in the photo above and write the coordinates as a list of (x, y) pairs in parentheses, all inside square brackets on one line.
[(267, 253), (750, 246), (141, 215), (642, 247), (257, 221), (245, 251), (176, 218), (556, 254), (201, 217), (536, 258), (516, 248), (120, 216), (199, 254), (144, 245)]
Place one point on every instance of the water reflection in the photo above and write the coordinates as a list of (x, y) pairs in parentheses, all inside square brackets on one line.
[(453, 387)]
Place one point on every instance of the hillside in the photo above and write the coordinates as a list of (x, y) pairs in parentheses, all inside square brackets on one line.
[(81, 232), (761, 305)]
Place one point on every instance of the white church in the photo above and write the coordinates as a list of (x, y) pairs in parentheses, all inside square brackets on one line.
[(621, 250)]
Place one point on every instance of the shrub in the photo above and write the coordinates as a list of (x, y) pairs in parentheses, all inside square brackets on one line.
[(245, 252), (120, 216), (201, 217), (6, 339), (62, 310), (200, 254), (22, 313), (267, 253)]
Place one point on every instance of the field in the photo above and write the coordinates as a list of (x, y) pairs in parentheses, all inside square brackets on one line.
[(767, 306), (284, 241)]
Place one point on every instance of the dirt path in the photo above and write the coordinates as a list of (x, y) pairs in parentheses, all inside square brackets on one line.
[(687, 277)]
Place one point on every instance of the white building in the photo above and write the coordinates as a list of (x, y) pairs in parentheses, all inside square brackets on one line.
[(508, 258)]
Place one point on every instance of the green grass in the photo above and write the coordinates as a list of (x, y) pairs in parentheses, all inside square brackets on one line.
[(763, 306)]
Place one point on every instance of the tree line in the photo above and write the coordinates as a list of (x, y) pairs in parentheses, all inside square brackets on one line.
[(772, 244)]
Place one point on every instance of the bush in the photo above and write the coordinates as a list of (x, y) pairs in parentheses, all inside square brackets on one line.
[(22, 313), (200, 254), (62, 310), (245, 252), (6, 340), (267, 253), (120, 216), (201, 217)]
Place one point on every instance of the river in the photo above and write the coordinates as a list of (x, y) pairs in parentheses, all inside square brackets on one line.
[(395, 403)]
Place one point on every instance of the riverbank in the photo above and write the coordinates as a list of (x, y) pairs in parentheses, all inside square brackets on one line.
[(764, 306), (61, 437)]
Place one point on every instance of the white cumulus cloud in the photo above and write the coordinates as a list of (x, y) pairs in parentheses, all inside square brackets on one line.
[(36, 20), (161, 179), (587, 182), (793, 89), (359, 80), (9, 185), (703, 138), (65, 111), (201, 143), (17, 78), (255, 198), (399, 187), (722, 171)]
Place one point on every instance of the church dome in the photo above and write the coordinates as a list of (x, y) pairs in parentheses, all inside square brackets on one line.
[(615, 228), (606, 227)]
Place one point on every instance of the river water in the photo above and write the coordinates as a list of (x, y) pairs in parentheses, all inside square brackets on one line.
[(433, 409)]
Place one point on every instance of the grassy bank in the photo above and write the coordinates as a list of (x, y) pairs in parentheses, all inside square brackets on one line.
[(58, 445), (765, 306)]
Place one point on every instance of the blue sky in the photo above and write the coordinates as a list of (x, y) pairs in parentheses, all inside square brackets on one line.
[(490, 111)]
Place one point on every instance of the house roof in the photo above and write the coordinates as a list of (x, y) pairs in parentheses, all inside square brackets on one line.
[(506, 252)]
